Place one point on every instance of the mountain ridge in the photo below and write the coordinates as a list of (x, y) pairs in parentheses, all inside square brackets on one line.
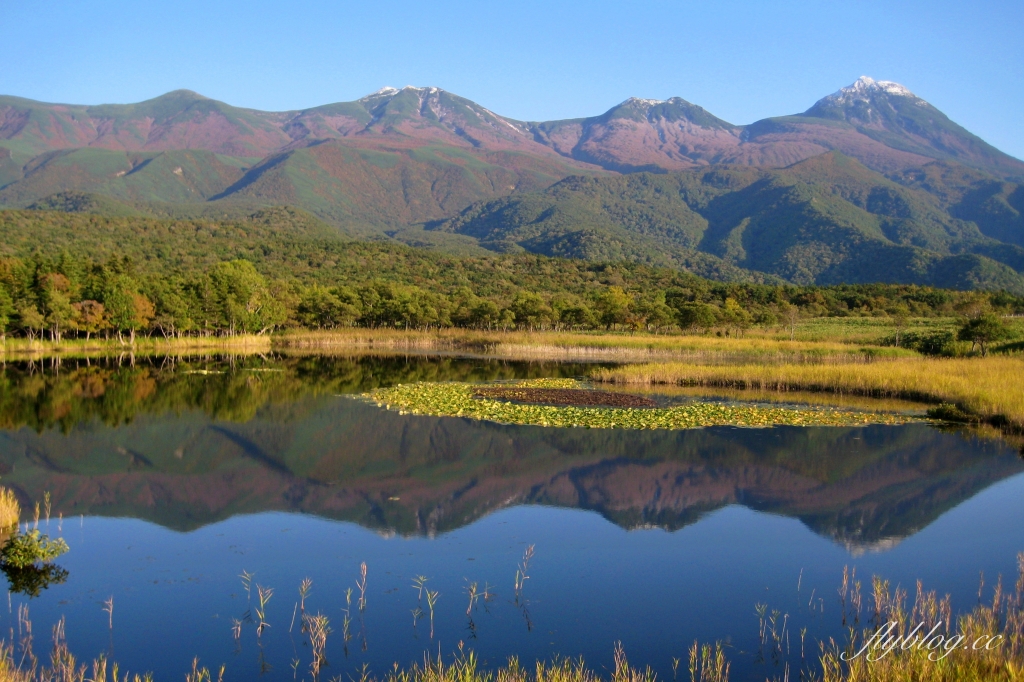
[(870, 179), (636, 134)]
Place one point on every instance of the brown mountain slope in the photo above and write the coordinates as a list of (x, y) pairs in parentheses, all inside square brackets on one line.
[(882, 124)]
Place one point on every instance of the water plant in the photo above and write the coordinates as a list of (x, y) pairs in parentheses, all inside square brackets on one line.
[(418, 584), (471, 590), (347, 620), (318, 627), (707, 663), (521, 572), (30, 548), (1000, 620), (196, 675), (247, 584), (455, 399), (432, 597), (108, 608), (263, 595), (361, 584), (304, 588)]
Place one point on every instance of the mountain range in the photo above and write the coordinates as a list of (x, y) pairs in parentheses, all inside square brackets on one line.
[(871, 183)]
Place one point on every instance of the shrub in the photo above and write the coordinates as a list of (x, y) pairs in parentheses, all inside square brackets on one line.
[(26, 549), (938, 343)]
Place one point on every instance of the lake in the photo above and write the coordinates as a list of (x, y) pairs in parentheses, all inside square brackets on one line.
[(173, 479)]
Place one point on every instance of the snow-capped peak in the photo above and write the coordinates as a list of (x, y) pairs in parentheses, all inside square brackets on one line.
[(389, 91), (644, 102), (865, 86)]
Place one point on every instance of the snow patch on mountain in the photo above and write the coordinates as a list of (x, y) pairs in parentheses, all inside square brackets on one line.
[(644, 102), (866, 86)]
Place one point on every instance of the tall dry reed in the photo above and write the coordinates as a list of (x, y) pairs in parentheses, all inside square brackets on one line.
[(991, 388), (10, 509)]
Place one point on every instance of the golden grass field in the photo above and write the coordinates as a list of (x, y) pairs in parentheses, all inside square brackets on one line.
[(991, 388)]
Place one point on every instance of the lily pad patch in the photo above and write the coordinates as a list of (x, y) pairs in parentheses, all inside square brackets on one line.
[(494, 403)]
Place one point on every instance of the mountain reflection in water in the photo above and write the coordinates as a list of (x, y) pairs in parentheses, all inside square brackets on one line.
[(185, 444)]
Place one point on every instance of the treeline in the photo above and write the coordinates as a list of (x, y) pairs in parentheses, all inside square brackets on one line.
[(68, 296)]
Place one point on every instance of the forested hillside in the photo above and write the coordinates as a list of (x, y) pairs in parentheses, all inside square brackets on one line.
[(81, 275), (825, 220)]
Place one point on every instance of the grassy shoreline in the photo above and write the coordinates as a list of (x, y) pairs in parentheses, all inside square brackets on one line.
[(521, 345), (23, 349), (838, 362), (990, 389)]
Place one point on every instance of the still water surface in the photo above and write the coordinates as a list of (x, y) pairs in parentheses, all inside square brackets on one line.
[(173, 478)]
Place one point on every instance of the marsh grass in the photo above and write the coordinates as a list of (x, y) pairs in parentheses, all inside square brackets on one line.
[(598, 346), (839, 400), (457, 400), (24, 349), (466, 668), (10, 509), (317, 628), (990, 388), (999, 620), (62, 665)]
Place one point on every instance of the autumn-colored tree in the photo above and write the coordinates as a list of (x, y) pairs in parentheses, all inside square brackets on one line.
[(89, 317)]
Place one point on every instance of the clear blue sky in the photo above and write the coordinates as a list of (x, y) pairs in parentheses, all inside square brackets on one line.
[(529, 60)]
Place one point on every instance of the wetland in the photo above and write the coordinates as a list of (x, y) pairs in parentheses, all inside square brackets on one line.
[(186, 488)]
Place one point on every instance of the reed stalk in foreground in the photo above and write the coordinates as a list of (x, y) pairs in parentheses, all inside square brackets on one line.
[(10, 510), (986, 644), (875, 654), (887, 642), (990, 388)]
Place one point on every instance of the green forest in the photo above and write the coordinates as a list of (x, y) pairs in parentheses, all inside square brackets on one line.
[(81, 276)]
